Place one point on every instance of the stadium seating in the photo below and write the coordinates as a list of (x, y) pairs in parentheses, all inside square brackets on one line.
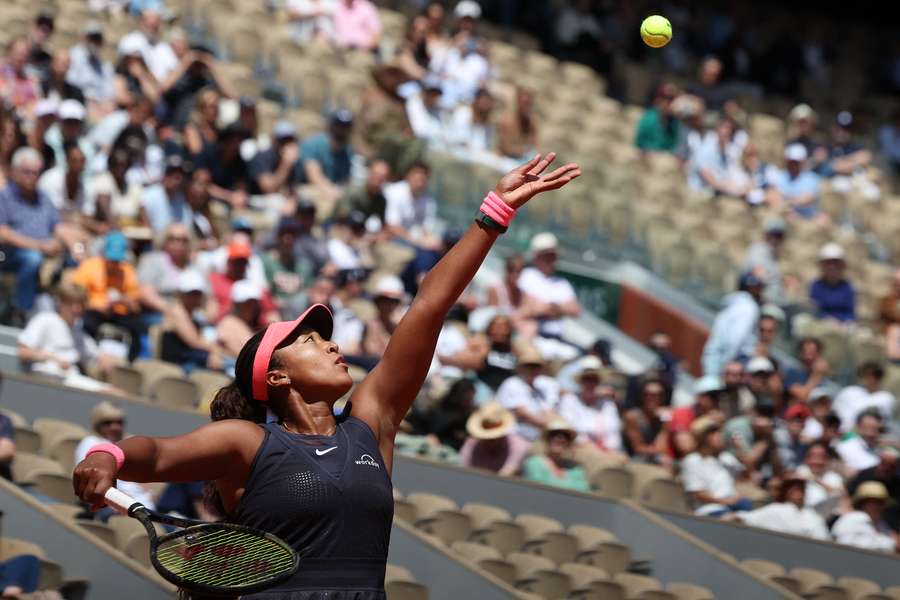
[(813, 583)]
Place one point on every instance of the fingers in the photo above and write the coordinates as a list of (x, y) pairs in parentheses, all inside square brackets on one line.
[(529, 165), (542, 164), (561, 180), (563, 170), (91, 483)]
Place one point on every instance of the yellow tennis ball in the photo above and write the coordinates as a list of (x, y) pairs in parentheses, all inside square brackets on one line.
[(656, 31)]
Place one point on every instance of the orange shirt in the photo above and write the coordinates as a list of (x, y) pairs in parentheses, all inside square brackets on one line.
[(98, 280)]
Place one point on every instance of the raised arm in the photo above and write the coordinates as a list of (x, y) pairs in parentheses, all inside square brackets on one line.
[(385, 396)]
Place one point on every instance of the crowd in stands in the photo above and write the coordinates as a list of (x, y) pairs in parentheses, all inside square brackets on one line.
[(145, 211)]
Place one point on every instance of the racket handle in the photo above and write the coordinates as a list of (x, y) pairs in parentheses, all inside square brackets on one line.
[(119, 500)]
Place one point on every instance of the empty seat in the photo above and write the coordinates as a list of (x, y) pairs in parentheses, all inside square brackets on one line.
[(589, 537), (473, 552), (51, 573), (63, 451), (539, 575), (175, 392), (447, 525), (127, 378), (612, 557), (764, 568), (404, 510), (505, 536), (536, 526), (657, 595), (635, 585), (101, 530), (810, 579), (666, 494), (689, 591), (582, 576), (603, 590), (68, 511), (394, 572), (788, 582), (15, 418), (152, 369), (558, 546), (428, 503), (406, 590), (500, 568), (124, 528), (26, 439), (51, 430), (56, 486), (26, 466), (613, 481), (208, 383), (483, 515), (138, 548), (857, 587), (893, 592)]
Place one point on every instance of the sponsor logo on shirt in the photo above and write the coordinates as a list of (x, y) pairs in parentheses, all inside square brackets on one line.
[(366, 459)]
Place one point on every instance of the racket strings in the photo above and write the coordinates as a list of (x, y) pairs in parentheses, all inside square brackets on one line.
[(224, 557)]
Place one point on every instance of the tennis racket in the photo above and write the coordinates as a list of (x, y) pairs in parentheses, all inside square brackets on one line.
[(210, 558)]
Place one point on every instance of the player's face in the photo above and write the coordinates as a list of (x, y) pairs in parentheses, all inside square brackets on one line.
[(316, 367)]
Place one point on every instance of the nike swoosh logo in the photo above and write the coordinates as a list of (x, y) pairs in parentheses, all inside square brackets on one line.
[(325, 451)]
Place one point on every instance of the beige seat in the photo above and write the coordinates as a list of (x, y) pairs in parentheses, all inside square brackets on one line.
[(474, 552), (612, 557), (635, 585), (790, 583), (539, 575), (26, 439), (483, 515), (26, 466), (558, 546), (892, 592), (761, 567), (56, 486), (124, 528), (208, 384), (857, 587), (51, 573), (582, 576), (666, 494), (152, 369), (51, 430), (15, 418), (404, 510), (426, 503), (689, 591), (447, 525), (138, 548), (500, 568), (101, 530), (68, 511), (175, 392), (613, 481), (63, 451), (590, 537), (810, 579), (406, 590), (127, 379), (603, 590), (505, 536), (537, 525)]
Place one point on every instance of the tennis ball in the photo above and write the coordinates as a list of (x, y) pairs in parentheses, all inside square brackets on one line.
[(656, 31)]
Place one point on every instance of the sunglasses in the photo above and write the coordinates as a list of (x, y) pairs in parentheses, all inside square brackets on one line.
[(111, 422), (178, 238)]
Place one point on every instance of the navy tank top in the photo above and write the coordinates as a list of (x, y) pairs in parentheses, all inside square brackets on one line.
[(331, 499)]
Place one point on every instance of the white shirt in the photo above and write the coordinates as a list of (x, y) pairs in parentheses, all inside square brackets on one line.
[(48, 331), (857, 454), (450, 341), (426, 124), (787, 518), (544, 396), (854, 399), (159, 57), (553, 289), (135, 490), (476, 137), (53, 183), (343, 255), (817, 495), (600, 425), (416, 215), (857, 529), (708, 474), (463, 74)]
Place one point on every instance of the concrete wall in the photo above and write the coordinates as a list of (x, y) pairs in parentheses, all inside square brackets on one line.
[(111, 574)]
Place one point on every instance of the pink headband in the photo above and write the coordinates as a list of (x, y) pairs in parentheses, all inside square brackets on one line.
[(316, 316)]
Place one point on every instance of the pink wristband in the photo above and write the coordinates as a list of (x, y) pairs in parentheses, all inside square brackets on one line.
[(497, 209), (112, 449)]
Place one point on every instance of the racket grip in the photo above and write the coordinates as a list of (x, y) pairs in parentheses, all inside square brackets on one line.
[(119, 500)]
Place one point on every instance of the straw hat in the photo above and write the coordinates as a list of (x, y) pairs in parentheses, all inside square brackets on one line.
[(703, 425), (560, 425), (870, 490), (589, 365), (105, 411), (528, 355), (490, 422)]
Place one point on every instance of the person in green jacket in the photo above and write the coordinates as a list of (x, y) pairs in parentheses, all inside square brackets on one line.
[(555, 467), (658, 129)]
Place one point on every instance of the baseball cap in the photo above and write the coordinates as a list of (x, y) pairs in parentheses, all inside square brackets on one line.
[(390, 286), (707, 384), (287, 224), (832, 251), (870, 490), (844, 119), (130, 46), (560, 425), (92, 28), (115, 247), (774, 225), (529, 355), (795, 152), (238, 250), (801, 111), (175, 163), (797, 411), (467, 9), (245, 290), (774, 311), (241, 224), (71, 110), (432, 82), (317, 316), (341, 116), (589, 365), (46, 107), (821, 393), (247, 102), (750, 280), (191, 281), (543, 242), (355, 219), (760, 364), (284, 129), (304, 204)]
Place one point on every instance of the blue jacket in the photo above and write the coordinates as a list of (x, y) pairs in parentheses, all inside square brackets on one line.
[(733, 332)]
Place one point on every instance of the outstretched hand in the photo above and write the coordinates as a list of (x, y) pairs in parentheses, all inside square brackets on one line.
[(523, 183)]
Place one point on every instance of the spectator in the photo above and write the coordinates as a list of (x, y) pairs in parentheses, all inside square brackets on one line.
[(69, 131), (239, 252), (736, 397), (712, 161), (855, 399), (819, 402), (709, 85), (198, 70), (548, 297), (801, 130), (885, 472), (532, 396), (825, 491), (795, 418), (46, 116), (186, 500), (494, 359), (733, 331), (666, 361), (798, 186), (108, 423), (762, 258), (19, 575), (311, 246), (389, 296), (411, 210), (28, 226), (889, 312), (41, 30), (426, 114), (789, 513), (243, 321), (133, 79), (845, 156), (770, 319), (286, 273), (646, 437), (113, 292), (115, 201), (445, 423), (17, 87), (197, 195), (706, 404), (348, 244), (863, 526), (889, 141), (54, 85), (414, 55), (492, 443), (751, 179), (759, 441), (764, 381), (506, 294), (472, 126), (278, 169), (578, 31), (54, 341), (312, 20), (165, 203), (555, 467), (356, 25), (91, 73), (463, 66), (202, 131), (517, 132), (158, 271), (658, 130), (328, 157), (859, 450), (184, 340), (383, 128), (64, 184), (834, 297), (229, 171), (813, 371), (707, 472), (593, 409), (157, 54), (368, 198)]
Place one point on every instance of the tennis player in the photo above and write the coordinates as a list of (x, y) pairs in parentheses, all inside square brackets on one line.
[(320, 483)]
